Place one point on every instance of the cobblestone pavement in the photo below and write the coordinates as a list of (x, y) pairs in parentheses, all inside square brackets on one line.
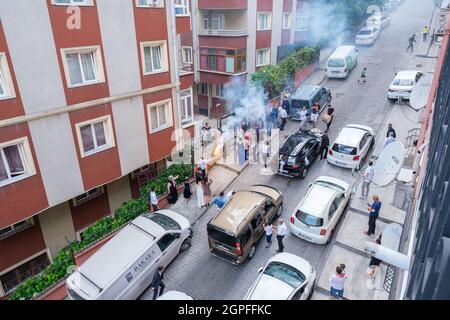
[(200, 274)]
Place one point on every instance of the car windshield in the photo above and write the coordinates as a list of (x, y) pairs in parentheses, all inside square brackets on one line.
[(164, 221), (336, 63), (299, 104), (309, 219), (403, 82), (342, 148), (291, 143), (365, 32), (285, 273), (330, 185)]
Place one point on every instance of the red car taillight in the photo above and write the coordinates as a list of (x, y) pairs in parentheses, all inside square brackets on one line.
[(356, 158), (292, 220), (238, 248), (323, 232), (330, 152)]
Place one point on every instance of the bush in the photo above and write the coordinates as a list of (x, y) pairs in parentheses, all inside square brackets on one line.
[(129, 211)]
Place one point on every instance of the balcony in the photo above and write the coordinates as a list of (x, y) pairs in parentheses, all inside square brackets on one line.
[(227, 4), (223, 61), (223, 32), (186, 69)]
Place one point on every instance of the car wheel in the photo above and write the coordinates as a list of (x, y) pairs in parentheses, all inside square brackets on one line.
[(311, 292), (304, 173), (252, 252), (331, 236), (185, 245), (279, 211)]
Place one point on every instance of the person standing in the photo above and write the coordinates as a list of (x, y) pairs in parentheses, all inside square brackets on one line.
[(158, 283), (275, 116), (153, 200), (391, 129), (281, 231), (265, 150), (389, 139), (187, 192), (411, 41), (203, 165), (425, 32), (303, 119), (374, 212), (219, 201), (324, 144), (269, 231), (315, 114), (337, 282), (363, 75), (269, 123), (207, 190), (367, 180), (330, 112), (172, 189), (283, 115), (286, 104), (200, 197)]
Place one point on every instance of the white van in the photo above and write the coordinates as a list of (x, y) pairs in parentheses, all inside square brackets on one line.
[(342, 62), (123, 268)]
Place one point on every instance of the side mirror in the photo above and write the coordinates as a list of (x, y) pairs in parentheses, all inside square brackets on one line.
[(260, 269), (310, 185)]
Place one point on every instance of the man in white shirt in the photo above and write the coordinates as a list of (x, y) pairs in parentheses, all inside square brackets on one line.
[(153, 200), (269, 231), (202, 164), (229, 195), (283, 115), (367, 180), (281, 231)]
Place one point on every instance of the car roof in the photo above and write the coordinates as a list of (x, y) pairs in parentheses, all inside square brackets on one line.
[(266, 190), (305, 92), (342, 52), (406, 74), (316, 200), (237, 210), (350, 137), (368, 28)]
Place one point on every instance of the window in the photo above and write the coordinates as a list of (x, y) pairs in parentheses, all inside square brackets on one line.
[(150, 3), (335, 205), (256, 221), (154, 57), (287, 20), (164, 221), (16, 161), (95, 135), (6, 84), (83, 66), (262, 57), (218, 21), (220, 91), (223, 60), (302, 19), (206, 23), (186, 106), (12, 278), (264, 21), (204, 89), (15, 228), (73, 2), (85, 197), (186, 55), (160, 115), (166, 241), (181, 7)]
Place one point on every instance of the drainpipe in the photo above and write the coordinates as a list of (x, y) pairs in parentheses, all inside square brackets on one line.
[(195, 41)]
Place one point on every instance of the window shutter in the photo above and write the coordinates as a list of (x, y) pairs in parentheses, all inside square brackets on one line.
[(154, 117), (148, 59), (162, 115), (86, 138)]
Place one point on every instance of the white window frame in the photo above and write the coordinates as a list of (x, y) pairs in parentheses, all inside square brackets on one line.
[(150, 4), (220, 18), (109, 135), (98, 192), (164, 58), (266, 56), (13, 231), (26, 157), (183, 56), (187, 121), (287, 16), (223, 91), (168, 108), (98, 61), (183, 4), (269, 21), (6, 79), (85, 3), (302, 19)]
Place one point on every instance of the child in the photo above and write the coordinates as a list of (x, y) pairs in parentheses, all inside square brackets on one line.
[(269, 232), (363, 75)]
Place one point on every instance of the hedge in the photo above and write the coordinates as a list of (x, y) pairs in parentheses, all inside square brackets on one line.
[(275, 78), (131, 209)]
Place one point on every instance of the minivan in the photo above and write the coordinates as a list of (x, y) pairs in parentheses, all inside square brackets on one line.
[(123, 268), (236, 229), (343, 60), (306, 96)]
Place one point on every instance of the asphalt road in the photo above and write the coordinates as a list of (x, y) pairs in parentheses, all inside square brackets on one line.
[(203, 276)]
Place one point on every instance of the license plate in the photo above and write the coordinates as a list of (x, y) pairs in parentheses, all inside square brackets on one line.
[(303, 236), (335, 71), (341, 163)]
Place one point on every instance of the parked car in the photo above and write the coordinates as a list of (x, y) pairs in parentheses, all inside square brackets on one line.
[(317, 214), (174, 295), (284, 277), (378, 21), (234, 232), (123, 268), (351, 146), (343, 60), (298, 153), (403, 84), (367, 36), (306, 96)]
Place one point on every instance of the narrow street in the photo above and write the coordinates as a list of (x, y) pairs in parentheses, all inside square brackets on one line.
[(203, 276)]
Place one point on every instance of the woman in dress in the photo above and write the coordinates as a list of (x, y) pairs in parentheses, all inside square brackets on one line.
[(172, 190), (207, 190), (187, 192), (200, 198)]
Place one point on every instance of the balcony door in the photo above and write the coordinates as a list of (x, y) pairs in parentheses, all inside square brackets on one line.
[(218, 21)]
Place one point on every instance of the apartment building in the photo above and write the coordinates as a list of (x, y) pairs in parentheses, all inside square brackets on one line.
[(237, 37), (92, 93)]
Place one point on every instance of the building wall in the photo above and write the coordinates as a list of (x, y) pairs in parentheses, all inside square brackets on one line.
[(119, 191)]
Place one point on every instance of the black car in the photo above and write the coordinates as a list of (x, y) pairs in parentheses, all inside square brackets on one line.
[(298, 153)]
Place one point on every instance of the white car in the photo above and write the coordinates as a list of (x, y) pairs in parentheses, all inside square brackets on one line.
[(367, 36), (351, 146), (316, 216), (174, 295), (379, 21), (403, 84), (284, 277)]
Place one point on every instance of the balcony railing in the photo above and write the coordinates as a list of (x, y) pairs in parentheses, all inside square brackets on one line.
[(186, 68), (223, 32)]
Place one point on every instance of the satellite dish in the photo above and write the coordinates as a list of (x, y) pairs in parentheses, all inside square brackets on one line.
[(389, 163), (391, 236), (420, 92)]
